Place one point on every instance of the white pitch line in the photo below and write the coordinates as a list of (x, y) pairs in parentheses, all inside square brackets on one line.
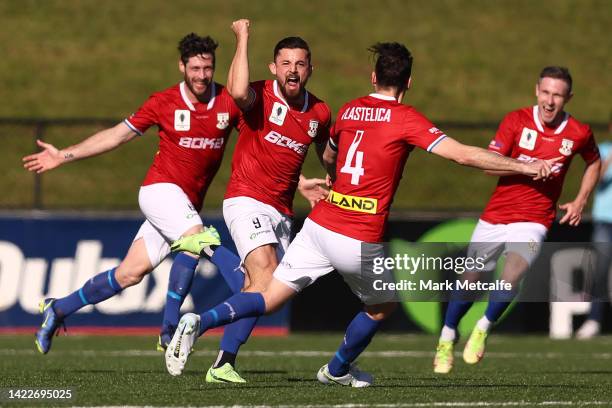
[(405, 405), (303, 353)]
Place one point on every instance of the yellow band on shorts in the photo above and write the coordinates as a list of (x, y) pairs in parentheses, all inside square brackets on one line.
[(353, 203)]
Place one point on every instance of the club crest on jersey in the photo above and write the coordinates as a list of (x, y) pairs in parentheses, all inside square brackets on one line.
[(566, 147), (279, 111), (528, 139), (222, 120), (182, 120), (313, 128)]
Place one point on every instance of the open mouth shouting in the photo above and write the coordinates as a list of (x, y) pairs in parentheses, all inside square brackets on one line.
[(292, 83)]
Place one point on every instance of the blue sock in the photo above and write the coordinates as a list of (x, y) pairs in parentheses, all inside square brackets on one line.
[(455, 311), (499, 300), (179, 283), (99, 288), (358, 335), (229, 266), (245, 304), (597, 311), (237, 333)]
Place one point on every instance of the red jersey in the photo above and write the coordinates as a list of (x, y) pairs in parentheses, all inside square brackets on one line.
[(272, 146), (522, 136), (374, 136), (192, 137)]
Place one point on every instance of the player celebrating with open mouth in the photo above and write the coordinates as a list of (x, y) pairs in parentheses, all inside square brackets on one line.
[(280, 119), (365, 156)]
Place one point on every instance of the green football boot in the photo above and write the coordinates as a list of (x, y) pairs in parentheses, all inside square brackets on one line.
[(196, 243), (443, 361), (224, 374), (475, 347)]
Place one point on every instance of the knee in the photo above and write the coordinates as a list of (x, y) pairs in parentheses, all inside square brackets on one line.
[(129, 277), (273, 302), (381, 311), (257, 285)]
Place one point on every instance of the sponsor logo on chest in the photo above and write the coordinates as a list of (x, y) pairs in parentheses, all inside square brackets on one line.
[(284, 141), (182, 120), (278, 114), (528, 139), (556, 167)]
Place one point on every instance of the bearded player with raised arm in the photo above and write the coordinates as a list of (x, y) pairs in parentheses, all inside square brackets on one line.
[(194, 118), (279, 121), (365, 156)]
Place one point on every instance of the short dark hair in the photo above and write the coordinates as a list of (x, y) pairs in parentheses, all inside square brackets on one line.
[(192, 45), (292, 43), (393, 64), (557, 72)]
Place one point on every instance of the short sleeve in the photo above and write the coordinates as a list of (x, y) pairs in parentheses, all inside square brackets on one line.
[(504, 138), (233, 109), (419, 131), (323, 132), (590, 151), (145, 117)]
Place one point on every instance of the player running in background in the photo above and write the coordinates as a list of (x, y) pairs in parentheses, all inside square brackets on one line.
[(195, 118), (279, 120), (521, 210), (365, 156)]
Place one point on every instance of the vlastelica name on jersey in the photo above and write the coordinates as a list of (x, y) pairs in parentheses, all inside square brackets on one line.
[(364, 114)]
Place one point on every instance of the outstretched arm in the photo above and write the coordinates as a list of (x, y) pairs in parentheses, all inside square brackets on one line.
[(483, 159), (105, 140), (238, 76), (573, 209)]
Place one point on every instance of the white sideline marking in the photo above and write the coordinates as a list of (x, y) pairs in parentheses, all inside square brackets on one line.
[(404, 405), (300, 353)]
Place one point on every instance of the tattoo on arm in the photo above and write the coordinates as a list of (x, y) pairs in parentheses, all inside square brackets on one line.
[(68, 156)]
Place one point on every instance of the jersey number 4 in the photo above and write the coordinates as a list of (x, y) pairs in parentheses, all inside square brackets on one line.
[(355, 171)]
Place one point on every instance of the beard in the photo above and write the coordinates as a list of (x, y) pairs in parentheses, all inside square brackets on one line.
[(191, 85)]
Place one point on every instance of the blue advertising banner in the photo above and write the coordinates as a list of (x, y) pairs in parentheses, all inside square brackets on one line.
[(51, 256)]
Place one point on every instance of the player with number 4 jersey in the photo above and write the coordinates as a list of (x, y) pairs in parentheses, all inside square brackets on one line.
[(374, 136), (366, 154)]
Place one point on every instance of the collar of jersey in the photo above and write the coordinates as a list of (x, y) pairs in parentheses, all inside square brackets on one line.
[(383, 97), (536, 119), (280, 96), (189, 104)]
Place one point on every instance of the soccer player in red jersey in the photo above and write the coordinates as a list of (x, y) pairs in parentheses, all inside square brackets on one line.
[(195, 118), (521, 210), (279, 121), (365, 156)]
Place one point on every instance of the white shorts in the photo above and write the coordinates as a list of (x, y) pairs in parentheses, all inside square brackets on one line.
[(316, 251), (252, 224), (490, 241), (169, 214)]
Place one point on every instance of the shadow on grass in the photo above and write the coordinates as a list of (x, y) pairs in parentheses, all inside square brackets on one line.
[(264, 371), (464, 385)]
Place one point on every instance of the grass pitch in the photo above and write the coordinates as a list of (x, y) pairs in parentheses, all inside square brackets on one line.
[(119, 371)]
